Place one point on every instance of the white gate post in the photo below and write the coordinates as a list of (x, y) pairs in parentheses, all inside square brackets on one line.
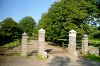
[(72, 43), (24, 45)]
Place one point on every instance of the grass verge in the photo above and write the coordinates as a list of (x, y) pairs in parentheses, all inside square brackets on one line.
[(94, 42), (11, 44), (92, 57)]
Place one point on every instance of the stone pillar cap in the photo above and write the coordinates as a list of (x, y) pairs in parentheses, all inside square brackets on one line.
[(85, 35), (24, 33), (72, 31), (41, 30)]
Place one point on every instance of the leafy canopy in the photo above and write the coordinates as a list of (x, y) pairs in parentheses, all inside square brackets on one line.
[(65, 15), (28, 25), (9, 30)]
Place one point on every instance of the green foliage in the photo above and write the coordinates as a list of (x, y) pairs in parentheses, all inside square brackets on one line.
[(28, 25), (97, 2), (94, 32), (9, 30), (65, 15), (93, 57), (10, 26), (94, 42), (40, 57), (12, 44)]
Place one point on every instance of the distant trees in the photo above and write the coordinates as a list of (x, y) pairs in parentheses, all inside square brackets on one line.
[(65, 15), (97, 2), (9, 30), (61, 17), (28, 25)]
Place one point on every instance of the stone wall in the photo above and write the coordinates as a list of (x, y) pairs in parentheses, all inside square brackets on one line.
[(94, 50)]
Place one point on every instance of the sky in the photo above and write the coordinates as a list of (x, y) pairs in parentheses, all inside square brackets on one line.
[(17, 9)]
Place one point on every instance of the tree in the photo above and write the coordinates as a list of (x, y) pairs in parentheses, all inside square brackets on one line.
[(65, 15), (97, 3), (28, 25), (9, 29)]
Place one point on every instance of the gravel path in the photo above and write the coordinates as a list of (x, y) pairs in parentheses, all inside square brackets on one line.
[(53, 60), (57, 57)]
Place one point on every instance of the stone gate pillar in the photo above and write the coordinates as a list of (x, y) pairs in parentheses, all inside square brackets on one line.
[(41, 44), (72, 43), (24, 45), (85, 44)]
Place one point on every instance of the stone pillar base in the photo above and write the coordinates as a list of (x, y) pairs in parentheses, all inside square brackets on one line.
[(72, 50), (42, 55), (24, 55), (73, 54)]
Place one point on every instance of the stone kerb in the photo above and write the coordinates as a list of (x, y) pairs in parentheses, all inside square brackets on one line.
[(85, 44), (41, 44), (24, 45), (72, 43)]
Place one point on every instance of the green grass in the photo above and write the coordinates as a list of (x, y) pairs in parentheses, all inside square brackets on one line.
[(94, 42), (18, 53), (39, 57), (11, 44), (92, 57)]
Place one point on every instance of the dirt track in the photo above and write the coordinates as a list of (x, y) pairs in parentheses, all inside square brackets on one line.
[(57, 57)]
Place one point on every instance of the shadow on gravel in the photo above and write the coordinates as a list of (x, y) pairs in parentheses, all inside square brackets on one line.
[(59, 61), (14, 61), (48, 50), (87, 62)]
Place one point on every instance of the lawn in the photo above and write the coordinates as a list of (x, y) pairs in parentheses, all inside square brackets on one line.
[(12, 44), (94, 42), (92, 57)]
